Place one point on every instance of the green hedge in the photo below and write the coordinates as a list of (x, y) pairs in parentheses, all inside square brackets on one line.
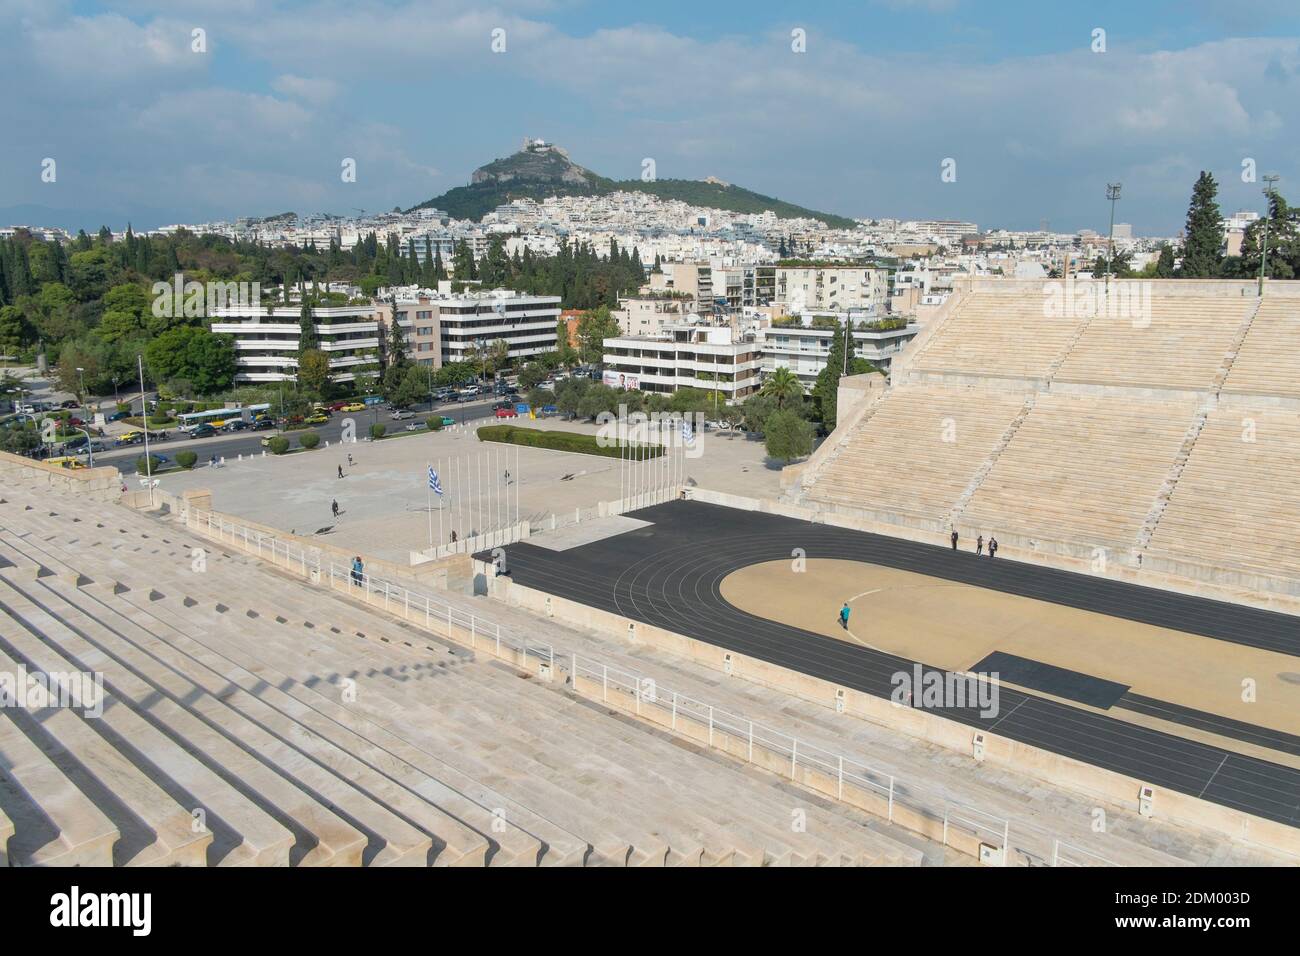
[(377, 431), (309, 441), (147, 465), (562, 441), (186, 459), (278, 445), (434, 424)]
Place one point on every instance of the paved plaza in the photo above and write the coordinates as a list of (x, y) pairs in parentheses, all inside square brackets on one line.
[(383, 496)]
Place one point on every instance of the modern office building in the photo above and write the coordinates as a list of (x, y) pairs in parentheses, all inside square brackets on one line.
[(267, 340), (685, 356)]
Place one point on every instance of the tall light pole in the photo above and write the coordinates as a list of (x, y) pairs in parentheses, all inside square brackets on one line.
[(1112, 193), (81, 374), (1270, 179)]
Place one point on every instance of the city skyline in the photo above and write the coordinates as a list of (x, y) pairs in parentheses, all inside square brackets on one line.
[(144, 127)]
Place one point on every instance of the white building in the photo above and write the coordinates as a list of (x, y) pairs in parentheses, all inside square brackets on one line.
[(685, 356), (831, 287), (267, 340), (803, 348), (443, 327)]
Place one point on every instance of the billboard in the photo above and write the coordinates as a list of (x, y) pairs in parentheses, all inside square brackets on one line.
[(620, 380)]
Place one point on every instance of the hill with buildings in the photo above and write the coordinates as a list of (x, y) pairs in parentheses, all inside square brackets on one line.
[(541, 170)]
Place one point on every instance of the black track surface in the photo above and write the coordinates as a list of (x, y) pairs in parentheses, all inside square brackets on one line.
[(668, 574), (1050, 679)]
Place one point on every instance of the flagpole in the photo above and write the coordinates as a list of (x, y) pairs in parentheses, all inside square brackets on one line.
[(428, 501), (441, 533)]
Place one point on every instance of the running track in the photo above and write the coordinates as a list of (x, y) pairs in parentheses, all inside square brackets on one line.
[(668, 574)]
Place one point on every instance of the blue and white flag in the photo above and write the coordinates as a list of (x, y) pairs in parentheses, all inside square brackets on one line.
[(434, 483), (688, 436)]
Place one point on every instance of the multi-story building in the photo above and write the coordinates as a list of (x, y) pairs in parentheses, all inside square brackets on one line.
[(713, 358), (648, 312), (802, 346), (695, 279), (267, 339), (445, 327), (832, 287)]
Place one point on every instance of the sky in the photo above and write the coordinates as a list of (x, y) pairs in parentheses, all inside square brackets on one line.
[(845, 107)]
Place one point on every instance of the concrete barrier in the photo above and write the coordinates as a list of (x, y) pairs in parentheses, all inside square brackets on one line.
[(101, 484)]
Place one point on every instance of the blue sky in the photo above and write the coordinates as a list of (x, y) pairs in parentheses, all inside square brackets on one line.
[(142, 127)]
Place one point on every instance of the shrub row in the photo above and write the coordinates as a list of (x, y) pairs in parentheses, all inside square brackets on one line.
[(562, 441)]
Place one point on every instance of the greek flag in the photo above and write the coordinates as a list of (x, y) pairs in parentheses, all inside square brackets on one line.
[(688, 436), (434, 483)]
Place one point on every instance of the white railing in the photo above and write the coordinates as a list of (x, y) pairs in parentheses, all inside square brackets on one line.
[(833, 774), (1063, 854)]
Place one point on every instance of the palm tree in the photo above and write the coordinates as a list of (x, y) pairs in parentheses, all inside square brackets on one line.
[(782, 386)]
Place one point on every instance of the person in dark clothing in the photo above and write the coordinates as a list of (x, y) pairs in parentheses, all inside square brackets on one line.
[(993, 547), (340, 471), (453, 535), (334, 507), (979, 545), (954, 539)]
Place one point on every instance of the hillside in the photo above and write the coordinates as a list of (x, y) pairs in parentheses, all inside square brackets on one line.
[(542, 170)]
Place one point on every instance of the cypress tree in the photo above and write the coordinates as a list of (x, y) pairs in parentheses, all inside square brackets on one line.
[(1201, 256)]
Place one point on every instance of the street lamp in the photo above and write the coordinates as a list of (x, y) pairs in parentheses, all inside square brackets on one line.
[(1270, 179), (1112, 193), (81, 374)]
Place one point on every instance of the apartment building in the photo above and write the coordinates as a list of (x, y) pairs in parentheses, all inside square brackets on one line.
[(832, 287), (443, 327), (802, 346), (267, 339), (695, 279), (648, 312), (685, 356)]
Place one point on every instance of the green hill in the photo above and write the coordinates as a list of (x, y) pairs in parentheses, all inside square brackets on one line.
[(541, 170)]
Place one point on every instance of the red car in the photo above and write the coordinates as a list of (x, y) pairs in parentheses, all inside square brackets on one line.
[(506, 413)]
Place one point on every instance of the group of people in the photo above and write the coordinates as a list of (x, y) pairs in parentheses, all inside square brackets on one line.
[(979, 544)]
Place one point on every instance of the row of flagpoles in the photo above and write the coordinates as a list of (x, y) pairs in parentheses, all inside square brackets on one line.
[(642, 477), (472, 504)]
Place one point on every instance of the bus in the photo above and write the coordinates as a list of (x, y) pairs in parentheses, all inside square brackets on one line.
[(219, 416)]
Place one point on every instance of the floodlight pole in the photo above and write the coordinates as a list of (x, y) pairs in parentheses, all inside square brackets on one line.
[(1112, 193), (1270, 179)]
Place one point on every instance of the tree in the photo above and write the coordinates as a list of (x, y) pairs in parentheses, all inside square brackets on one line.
[(826, 389), (530, 376), (783, 387), (189, 352), (594, 327), (1201, 247), (307, 338), (186, 459), (278, 445), (314, 372), (309, 440), (787, 436)]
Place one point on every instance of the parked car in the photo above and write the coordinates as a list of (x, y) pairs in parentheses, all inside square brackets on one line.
[(353, 407), (262, 424), (507, 412), (118, 416), (70, 403), (447, 421), (445, 394), (500, 405), (202, 430), (401, 415)]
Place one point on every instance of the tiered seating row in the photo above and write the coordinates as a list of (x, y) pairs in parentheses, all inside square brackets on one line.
[(1238, 499), (1268, 362), (1081, 469), (918, 451), (1000, 335), (302, 730), (1180, 344)]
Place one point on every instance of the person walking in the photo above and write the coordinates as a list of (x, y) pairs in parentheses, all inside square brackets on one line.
[(334, 507), (979, 545), (954, 539), (453, 535), (844, 616), (993, 547), (340, 471), (349, 459), (358, 570)]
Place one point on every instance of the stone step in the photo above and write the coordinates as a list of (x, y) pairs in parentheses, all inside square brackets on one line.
[(154, 829), (389, 840), (50, 822), (242, 832)]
